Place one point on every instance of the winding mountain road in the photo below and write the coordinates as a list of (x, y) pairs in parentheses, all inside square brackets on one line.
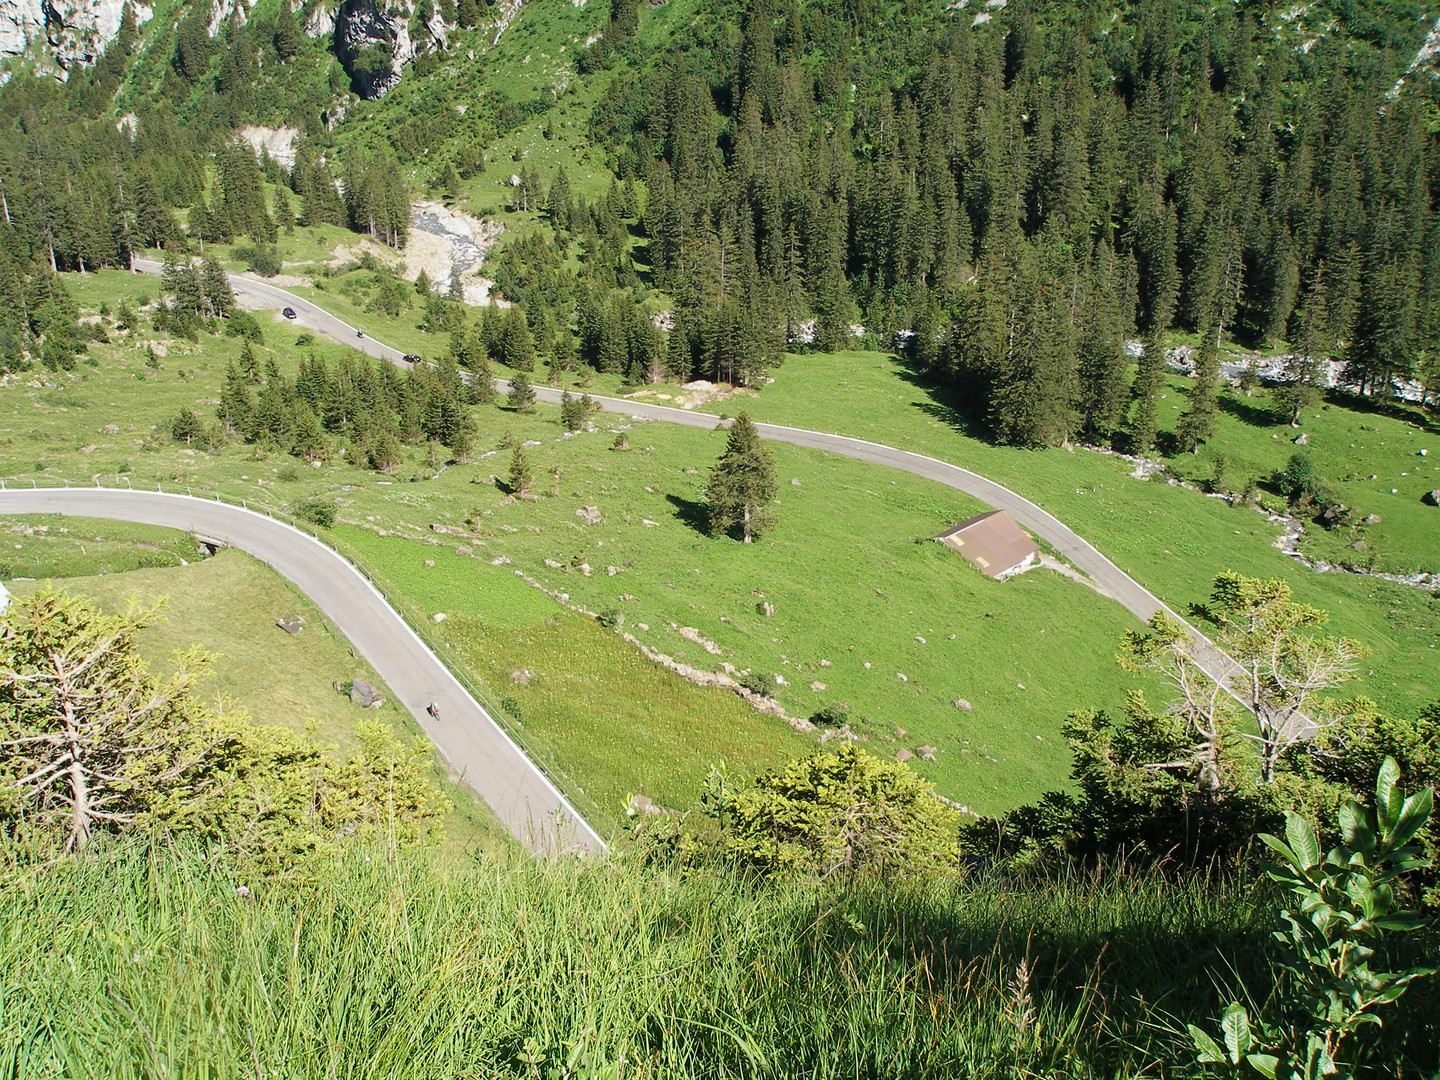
[(1111, 580), (469, 739), (1109, 577)]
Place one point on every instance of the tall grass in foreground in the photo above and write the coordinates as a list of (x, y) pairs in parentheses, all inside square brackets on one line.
[(138, 962)]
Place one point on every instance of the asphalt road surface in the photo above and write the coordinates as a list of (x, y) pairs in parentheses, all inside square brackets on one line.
[(1111, 580), (469, 739)]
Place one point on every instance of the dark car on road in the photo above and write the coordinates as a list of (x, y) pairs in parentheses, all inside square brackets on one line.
[(289, 313), (411, 358)]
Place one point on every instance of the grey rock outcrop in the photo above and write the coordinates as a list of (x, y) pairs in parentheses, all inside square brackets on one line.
[(69, 31), (365, 695), (372, 42)]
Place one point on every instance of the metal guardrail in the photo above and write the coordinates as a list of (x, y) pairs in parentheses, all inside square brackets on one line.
[(389, 593)]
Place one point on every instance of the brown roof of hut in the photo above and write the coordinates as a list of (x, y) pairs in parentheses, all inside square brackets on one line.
[(994, 543)]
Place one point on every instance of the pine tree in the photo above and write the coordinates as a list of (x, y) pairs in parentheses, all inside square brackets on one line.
[(521, 475), (457, 429), (1197, 423), (572, 412), (309, 440), (522, 394), (1144, 394), (743, 484)]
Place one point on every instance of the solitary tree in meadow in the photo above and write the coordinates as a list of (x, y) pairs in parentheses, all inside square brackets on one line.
[(743, 485), (521, 475)]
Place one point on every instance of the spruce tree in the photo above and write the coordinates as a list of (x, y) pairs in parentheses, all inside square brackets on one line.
[(309, 440), (186, 427), (521, 475), (743, 484), (237, 404), (288, 39), (522, 394), (457, 429), (1197, 423), (1307, 365), (572, 412), (1103, 372), (1149, 377), (384, 453)]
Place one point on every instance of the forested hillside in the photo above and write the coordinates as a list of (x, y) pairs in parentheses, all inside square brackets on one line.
[(1011, 194)]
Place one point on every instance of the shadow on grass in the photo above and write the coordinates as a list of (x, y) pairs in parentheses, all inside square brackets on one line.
[(1395, 409), (946, 404), (1248, 413), (694, 514)]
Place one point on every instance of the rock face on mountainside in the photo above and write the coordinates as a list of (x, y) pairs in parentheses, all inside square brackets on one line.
[(371, 45), (71, 31), (372, 42), (371, 37)]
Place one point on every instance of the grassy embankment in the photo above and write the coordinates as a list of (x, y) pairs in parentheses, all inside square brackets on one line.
[(428, 966), (847, 568), (228, 604)]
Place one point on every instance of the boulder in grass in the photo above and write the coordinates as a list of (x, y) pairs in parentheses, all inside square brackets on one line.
[(642, 805), (291, 624), (365, 695)]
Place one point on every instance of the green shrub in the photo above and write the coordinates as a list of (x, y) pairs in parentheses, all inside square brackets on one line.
[(242, 324), (757, 683), (843, 813), (316, 510), (611, 618), (1344, 905), (836, 714)]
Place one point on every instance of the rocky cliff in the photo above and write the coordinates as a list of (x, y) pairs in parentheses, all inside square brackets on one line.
[(373, 42), (371, 38), (69, 31)]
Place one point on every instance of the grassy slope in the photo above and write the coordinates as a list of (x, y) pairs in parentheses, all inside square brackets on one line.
[(848, 531), (229, 604), (36, 547), (1171, 539), (403, 966)]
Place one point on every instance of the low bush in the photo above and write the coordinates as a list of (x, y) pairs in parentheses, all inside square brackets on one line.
[(836, 714), (757, 683), (315, 510)]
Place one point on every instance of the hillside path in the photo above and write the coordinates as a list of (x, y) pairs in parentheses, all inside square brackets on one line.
[(472, 743)]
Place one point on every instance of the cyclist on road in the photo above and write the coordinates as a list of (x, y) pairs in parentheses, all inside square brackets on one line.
[(433, 710)]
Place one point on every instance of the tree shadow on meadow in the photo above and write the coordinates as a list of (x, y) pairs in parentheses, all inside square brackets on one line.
[(1248, 412), (695, 515), (946, 404)]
